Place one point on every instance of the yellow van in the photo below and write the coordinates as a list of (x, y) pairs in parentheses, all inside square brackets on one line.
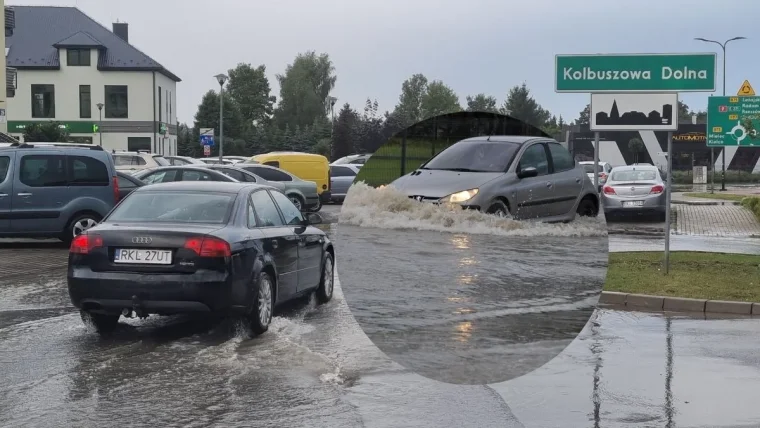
[(306, 166)]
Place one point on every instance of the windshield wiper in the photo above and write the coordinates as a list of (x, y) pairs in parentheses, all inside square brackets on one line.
[(460, 169)]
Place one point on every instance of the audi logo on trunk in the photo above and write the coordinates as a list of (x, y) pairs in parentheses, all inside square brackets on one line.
[(142, 240)]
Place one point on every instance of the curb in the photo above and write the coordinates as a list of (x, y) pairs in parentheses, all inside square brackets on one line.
[(636, 232), (705, 203), (677, 304)]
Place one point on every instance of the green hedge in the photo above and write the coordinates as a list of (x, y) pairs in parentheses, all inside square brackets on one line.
[(752, 203), (385, 164), (732, 177)]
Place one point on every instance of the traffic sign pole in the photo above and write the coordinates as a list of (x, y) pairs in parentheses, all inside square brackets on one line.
[(668, 196), (596, 161)]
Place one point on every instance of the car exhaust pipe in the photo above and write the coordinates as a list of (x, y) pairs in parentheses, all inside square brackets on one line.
[(138, 308)]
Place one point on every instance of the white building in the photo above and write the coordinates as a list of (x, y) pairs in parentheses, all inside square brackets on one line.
[(75, 71)]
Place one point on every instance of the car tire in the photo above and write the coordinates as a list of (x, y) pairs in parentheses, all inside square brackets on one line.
[(103, 323), (327, 280), (499, 209), (317, 207), (297, 201), (263, 304), (587, 208), (78, 224)]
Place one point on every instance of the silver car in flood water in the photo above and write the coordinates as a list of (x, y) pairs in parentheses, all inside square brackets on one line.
[(634, 189), (517, 176)]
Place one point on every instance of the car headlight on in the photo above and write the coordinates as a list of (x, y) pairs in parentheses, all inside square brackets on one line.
[(459, 197)]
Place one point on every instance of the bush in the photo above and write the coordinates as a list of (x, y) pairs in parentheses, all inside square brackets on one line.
[(732, 177), (752, 203)]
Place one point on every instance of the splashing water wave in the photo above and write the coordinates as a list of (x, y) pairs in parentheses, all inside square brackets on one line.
[(387, 208)]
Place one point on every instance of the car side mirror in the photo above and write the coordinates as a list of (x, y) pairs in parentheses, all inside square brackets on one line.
[(527, 172), (312, 218)]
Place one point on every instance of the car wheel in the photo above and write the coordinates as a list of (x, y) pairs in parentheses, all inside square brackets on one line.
[(587, 208), (263, 304), (327, 281), (317, 207), (78, 225), (499, 209), (297, 201), (103, 323)]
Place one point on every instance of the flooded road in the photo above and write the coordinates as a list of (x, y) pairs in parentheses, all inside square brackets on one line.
[(468, 308), (316, 368)]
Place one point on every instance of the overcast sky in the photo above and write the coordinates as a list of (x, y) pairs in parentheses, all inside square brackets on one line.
[(473, 46)]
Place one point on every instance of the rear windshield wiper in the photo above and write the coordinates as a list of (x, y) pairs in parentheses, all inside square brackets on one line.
[(460, 169)]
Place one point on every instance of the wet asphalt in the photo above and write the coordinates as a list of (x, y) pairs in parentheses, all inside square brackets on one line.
[(317, 368)]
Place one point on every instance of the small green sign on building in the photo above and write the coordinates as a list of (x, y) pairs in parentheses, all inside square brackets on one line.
[(18, 126), (733, 121), (635, 73)]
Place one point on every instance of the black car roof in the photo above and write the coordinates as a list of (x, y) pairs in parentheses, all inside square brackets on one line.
[(201, 186), (518, 139)]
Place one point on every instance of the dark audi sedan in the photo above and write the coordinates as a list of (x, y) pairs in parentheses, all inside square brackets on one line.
[(239, 249)]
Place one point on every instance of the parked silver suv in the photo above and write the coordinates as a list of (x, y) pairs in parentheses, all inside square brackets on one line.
[(50, 190)]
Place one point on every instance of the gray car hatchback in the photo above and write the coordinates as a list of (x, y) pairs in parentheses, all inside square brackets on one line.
[(53, 190), (517, 176)]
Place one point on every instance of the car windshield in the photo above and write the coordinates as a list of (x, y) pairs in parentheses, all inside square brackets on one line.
[(161, 160), (475, 156), (634, 175), (174, 207)]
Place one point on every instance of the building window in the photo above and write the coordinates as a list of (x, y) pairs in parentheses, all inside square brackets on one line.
[(117, 104), (135, 144), (78, 57), (170, 106), (85, 104), (160, 105), (43, 101)]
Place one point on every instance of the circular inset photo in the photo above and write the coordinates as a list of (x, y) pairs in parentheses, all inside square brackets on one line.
[(473, 248)]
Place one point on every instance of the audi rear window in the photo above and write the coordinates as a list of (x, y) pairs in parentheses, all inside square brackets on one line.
[(174, 207)]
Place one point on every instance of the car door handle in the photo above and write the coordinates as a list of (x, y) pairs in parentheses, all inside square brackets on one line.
[(2, 195), (577, 180), (24, 194), (548, 184)]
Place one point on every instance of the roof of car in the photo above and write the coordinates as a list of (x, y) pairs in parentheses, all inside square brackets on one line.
[(634, 167), (202, 186), (519, 139)]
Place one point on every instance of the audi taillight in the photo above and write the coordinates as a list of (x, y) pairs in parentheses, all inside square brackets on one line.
[(83, 244), (209, 247), (608, 190), (116, 189), (657, 189)]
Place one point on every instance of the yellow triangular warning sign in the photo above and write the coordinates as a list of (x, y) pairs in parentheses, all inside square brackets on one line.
[(746, 90)]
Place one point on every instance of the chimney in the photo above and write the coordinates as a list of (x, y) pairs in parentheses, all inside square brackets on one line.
[(121, 29)]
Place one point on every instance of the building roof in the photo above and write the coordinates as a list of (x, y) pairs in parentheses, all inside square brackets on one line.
[(40, 30)]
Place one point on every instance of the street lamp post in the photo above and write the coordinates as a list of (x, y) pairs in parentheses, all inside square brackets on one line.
[(100, 120), (332, 101), (723, 153), (221, 78)]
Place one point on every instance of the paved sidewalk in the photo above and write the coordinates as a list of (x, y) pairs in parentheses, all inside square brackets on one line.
[(715, 220)]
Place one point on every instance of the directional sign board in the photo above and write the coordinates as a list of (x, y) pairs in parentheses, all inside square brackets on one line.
[(635, 73), (207, 136), (634, 112), (733, 121)]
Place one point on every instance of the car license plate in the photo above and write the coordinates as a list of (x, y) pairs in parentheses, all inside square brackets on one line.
[(633, 203), (147, 257)]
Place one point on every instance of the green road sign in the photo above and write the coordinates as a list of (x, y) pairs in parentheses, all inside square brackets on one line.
[(733, 121), (635, 73)]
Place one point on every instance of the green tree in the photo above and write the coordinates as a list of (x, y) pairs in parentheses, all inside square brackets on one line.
[(304, 90), (636, 146), (207, 116), (48, 132), (439, 99), (186, 146), (368, 129), (584, 117), (482, 102), (249, 88), (521, 105), (344, 132), (408, 111)]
